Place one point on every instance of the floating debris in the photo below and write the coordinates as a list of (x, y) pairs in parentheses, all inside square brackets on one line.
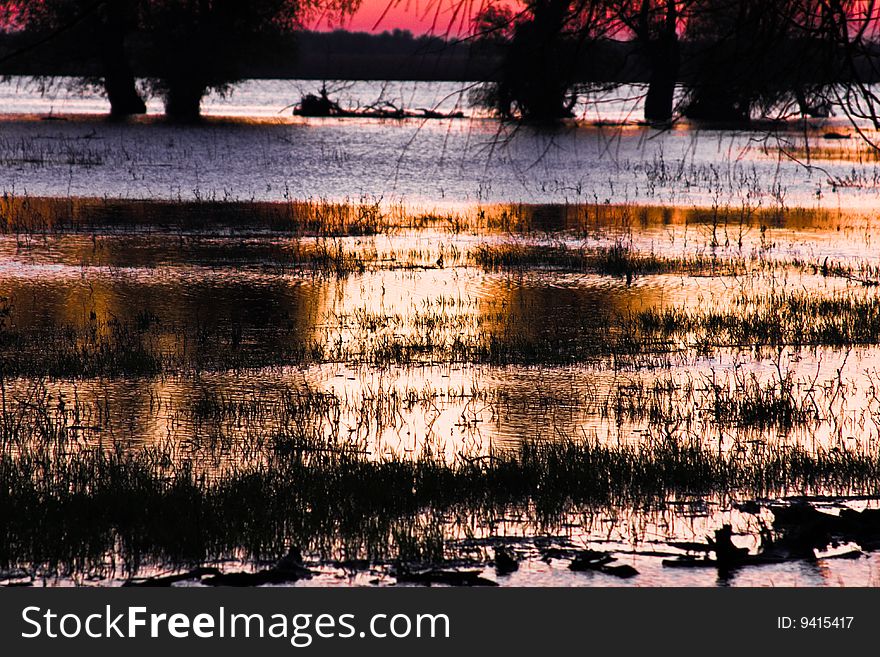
[(802, 524), (169, 580), (289, 569), (320, 105), (800, 529), (592, 560), (728, 556), (505, 561), (259, 578), (444, 577)]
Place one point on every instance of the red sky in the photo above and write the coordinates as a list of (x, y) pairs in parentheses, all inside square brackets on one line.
[(423, 16), (418, 16)]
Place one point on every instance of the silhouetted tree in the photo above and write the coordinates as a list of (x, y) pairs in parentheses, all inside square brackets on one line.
[(760, 57), (187, 47), (735, 58), (843, 47), (494, 24), (195, 46), (99, 30), (117, 20), (654, 26), (731, 39), (537, 81)]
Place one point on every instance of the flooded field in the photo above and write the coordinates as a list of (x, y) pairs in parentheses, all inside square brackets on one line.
[(251, 148), (246, 366)]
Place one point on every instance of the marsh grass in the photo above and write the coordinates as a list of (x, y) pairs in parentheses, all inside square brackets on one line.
[(705, 404), (24, 214), (65, 506), (850, 150), (774, 318), (616, 260), (147, 345), (772, 404), (111, 348), (245, 476)]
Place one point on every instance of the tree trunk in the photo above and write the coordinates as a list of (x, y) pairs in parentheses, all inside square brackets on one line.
[(536, 78), (183, 101), (659, 103), (663, 51), (119, 80), (122, 93), (718, 102)]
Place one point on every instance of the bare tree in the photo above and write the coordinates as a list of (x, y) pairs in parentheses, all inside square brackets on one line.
[(739, 60), (733, 59), (846, 33)]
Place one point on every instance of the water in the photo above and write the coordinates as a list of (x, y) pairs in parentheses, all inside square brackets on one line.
[(261, 152), (396, 317)]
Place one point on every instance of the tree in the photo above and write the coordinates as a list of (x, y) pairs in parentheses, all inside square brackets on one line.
[(538, 76), (185, 48), (494, 25), (195, 46), (735, 59), (118, 20), (763, 57), (93, 31), (842, 35), (654, 26), (549, 42)]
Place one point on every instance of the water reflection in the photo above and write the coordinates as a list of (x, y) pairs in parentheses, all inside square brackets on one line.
[(439, 163), (372, 341), (204, 317)]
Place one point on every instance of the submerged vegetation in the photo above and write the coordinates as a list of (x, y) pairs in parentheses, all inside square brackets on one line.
[(67, 505), (214, 386), (615, 260), (224, 381), (146, 345), (23, 214)]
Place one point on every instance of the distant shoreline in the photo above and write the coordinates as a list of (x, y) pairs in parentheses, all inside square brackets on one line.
[(357, 56)]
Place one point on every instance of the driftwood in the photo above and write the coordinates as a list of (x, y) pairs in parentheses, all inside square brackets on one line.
[(727, 555), (168, 580), (689, 561), (548, 554), (600, 562), (799, 530), (321, 105), (259, 578), (804, 525), (505, 561), (445, 577), (289, 569)]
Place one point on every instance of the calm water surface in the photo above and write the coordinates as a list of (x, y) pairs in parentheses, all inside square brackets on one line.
[(260, 151)]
